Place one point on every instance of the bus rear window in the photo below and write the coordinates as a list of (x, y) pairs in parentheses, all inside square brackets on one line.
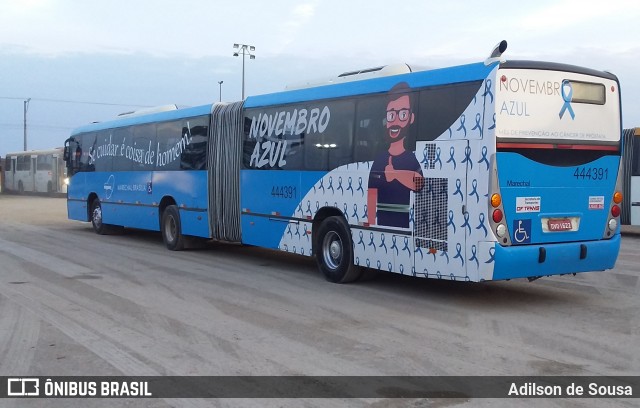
[(584, 92)]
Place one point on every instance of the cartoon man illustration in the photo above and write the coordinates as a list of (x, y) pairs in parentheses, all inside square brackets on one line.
[(396, 171)]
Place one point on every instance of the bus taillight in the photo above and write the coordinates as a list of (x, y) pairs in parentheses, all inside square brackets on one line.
[(615, 211), (617, 197), (496, 200)]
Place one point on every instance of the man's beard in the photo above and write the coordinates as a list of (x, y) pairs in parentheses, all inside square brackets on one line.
[(402, 133)]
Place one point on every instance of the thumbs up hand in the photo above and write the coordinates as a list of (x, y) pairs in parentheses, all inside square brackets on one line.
[(389, 171)]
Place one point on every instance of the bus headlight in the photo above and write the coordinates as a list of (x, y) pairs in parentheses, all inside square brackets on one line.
[(66, 181), (613, 224), (501, 230)]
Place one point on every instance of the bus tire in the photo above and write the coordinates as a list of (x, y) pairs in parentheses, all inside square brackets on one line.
[(334, 251), (172, 229), (96, 218)]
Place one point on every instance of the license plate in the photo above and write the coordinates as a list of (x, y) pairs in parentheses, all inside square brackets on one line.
[(559, 224)]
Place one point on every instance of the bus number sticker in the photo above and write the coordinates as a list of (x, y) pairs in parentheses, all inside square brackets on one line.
[(591, 173), (287, 192)]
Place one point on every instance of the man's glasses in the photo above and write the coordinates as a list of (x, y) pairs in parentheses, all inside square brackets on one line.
[(402, 115)]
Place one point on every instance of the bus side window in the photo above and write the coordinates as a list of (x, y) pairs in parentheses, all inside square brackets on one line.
[(144, 139), (169, 135), (194, 155), (370, 128), (441, 106), (44, 162), (333, 146)]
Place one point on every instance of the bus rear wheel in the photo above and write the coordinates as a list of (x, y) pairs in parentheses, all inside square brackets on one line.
[(334, 251), (171, 229)]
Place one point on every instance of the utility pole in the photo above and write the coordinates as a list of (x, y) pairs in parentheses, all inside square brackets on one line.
[(220, 83), (26, 107)]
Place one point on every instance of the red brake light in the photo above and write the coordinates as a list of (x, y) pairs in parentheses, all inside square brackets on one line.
[(615, 211), (497, 215)]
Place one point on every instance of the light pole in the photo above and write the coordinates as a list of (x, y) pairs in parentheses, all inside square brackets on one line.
[(220, 83), (26, 107), (244, 50)]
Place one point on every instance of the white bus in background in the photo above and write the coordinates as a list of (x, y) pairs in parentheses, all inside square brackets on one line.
[(35, 171), (631, 160)]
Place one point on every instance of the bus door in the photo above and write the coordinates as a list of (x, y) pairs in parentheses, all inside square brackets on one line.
[(13, 185), (54, 178), (33, 173), (441, 221)]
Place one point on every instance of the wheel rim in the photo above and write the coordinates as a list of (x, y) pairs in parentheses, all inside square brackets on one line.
[(170, 229), (97, 216), (332, 250)]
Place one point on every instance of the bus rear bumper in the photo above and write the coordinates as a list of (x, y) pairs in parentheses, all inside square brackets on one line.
[(555, 259)]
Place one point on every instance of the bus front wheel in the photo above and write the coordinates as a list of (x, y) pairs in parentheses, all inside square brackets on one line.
[(334, 251), (171, 229), (96, 218)]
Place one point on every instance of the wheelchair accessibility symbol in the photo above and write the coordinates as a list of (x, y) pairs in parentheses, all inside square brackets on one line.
[(522, 231)]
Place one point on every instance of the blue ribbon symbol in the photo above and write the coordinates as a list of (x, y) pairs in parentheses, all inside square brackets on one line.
[(481, 218), (394, 246), (350, 187), (452, 152), (450, 222), (382, 244), (474, 256), (355, 213), (478, 125), (466, 222), (467, 157), (484, 157), (406, 245), (487, 89), (459, 254), (446, 255), (361, 241), (371, 243), (567, 100), (458, 189), (474, 192), (419, 249), (462, 127), (437, 160), (492, 254)]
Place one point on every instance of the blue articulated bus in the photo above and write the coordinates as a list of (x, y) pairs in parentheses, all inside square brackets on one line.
[(487, 171)]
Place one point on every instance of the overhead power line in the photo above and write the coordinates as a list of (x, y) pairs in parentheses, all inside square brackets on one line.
[(78, 102)]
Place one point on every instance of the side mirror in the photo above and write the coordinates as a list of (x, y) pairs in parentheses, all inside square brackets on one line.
[(65, 154)]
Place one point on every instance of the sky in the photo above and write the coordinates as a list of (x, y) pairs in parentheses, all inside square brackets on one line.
[(85, 61)]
